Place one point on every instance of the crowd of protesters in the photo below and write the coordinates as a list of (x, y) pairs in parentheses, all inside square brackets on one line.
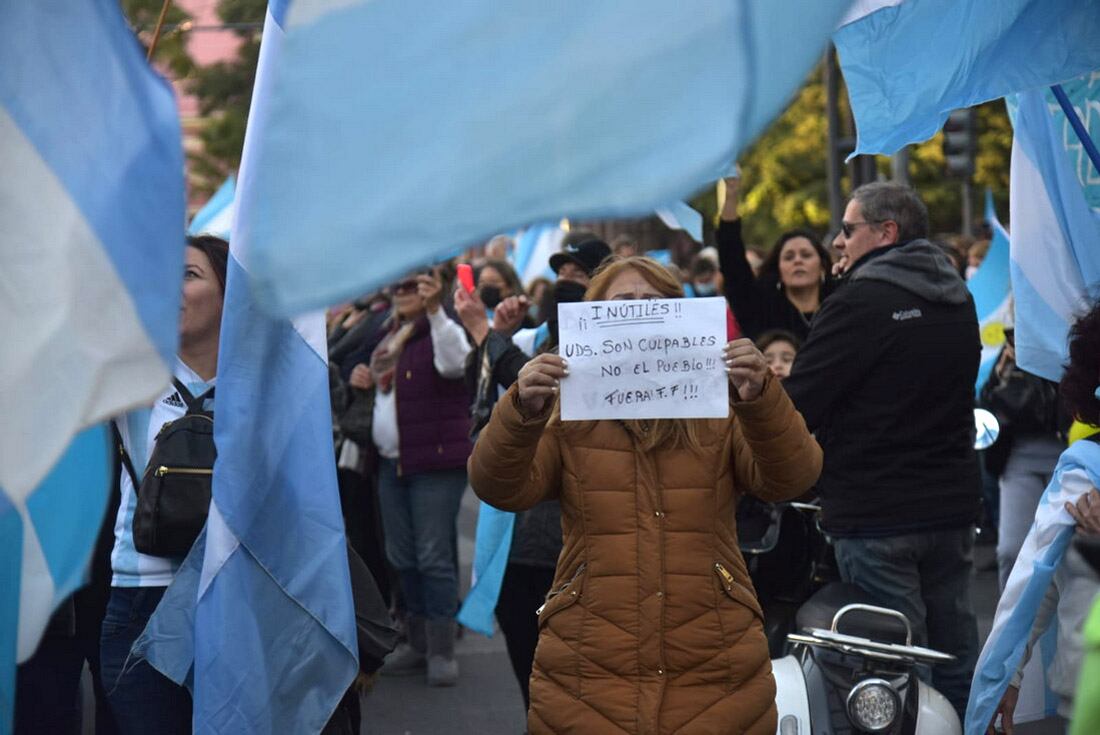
[(852, 365)]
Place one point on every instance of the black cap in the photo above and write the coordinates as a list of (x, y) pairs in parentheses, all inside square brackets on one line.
[(587, 255)]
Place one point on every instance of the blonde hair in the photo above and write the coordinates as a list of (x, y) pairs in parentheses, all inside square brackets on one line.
[(649, 434)]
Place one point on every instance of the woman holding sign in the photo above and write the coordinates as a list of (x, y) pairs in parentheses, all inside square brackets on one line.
[(651, 624)]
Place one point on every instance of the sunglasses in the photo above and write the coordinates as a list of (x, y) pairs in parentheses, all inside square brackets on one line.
[(406, 287), (848, 228)]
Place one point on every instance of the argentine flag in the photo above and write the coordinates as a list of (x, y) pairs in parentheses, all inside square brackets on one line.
[(91, 260), (402, 132), (270, 645), (909, 63), (216, 216), (1055, 207), (1077, 472), (992, 291)]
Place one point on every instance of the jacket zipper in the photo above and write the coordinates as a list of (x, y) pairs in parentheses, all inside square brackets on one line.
[(723, 573), (554, 593), (162, 471)]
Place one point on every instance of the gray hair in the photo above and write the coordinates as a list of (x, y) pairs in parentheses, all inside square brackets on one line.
[(883, 200)]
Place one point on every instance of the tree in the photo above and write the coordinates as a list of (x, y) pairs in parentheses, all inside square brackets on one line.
[(171, 50), (785, 181), (224, 91)]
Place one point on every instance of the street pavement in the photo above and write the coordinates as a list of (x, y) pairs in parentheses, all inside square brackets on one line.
[(487, 700)]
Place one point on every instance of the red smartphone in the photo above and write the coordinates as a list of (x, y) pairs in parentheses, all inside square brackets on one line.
[(466, 277)]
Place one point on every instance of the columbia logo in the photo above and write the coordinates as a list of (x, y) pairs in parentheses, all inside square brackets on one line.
[(900, 316), (174, 399)]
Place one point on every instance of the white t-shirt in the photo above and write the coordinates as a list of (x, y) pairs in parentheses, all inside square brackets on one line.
[(138, 429)]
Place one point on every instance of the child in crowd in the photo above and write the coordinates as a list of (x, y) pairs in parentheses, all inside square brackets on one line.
[(779, 347)]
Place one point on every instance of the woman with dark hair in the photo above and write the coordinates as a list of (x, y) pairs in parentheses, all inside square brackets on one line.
[(496, 281), (793, 281), (651, 624), (1071, 501), (142, 699)]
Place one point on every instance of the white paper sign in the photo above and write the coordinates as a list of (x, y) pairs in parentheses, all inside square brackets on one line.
[(659, 358)]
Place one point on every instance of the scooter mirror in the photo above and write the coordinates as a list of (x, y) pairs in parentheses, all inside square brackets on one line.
[(986, 429)]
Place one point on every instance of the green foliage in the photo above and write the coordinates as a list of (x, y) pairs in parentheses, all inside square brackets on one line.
[(171, 48), (784, 179), (224, 91)]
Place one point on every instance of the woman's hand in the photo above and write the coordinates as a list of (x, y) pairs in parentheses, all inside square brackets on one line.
[(1005, 709), (509, 315), (471, 312), (747, 368), (538, 382), (1087, 513), (361, 377), (733, 191), (431, 290)]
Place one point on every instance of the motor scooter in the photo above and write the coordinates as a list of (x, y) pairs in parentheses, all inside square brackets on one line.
[(853, 667)]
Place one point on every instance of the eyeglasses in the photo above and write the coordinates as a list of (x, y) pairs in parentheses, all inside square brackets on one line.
[(406, 287), (849, 227)]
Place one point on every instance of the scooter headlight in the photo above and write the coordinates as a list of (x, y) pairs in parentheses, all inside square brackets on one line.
[(873, 705)]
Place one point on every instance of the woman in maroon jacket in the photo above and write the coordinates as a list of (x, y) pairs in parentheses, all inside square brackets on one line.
[(421, 430)]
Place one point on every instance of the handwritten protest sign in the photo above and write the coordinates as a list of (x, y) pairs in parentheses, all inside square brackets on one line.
[(644, 359)]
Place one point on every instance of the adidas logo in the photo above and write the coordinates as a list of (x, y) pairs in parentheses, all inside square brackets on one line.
[(174, 400)]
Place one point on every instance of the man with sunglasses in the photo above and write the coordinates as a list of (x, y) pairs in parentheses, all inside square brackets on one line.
[(886, 381)]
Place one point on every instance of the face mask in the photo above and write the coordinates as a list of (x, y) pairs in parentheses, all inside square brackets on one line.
[(533, 312), (704, 289), (490, 296), (568, 292), (565, 292), (970, 271)]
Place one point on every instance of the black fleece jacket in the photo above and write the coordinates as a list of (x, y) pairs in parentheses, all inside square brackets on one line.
[(886, 381)]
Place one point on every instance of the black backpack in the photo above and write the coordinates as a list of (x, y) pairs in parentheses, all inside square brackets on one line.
[(173, 497)]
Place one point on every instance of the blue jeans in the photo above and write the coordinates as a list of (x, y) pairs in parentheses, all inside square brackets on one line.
[(143, 700), (927, 577), (419, 514)]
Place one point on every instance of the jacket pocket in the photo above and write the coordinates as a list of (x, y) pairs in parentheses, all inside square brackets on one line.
[(742, 625), (737, 591), (561, 597), (557, 658)]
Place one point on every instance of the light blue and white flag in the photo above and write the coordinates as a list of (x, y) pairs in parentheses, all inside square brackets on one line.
[(403, 131), (91, 256), (681, 216), (534, 246), (493, 543), (216, 216), (909, 63), (991, 288), (1055, 208), (1077, 472), (270, 646)]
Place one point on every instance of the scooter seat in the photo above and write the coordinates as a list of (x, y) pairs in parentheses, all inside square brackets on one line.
[(823, 605)]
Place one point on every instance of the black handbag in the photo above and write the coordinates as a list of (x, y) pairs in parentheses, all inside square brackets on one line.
[(173, 497), (1022, 402), (357, 420)]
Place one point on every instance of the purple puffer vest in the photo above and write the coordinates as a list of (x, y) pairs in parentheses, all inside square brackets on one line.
[(433, 412)]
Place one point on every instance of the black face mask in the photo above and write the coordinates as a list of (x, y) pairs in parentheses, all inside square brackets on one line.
[(490, 296), (565, 292), (568, 292)]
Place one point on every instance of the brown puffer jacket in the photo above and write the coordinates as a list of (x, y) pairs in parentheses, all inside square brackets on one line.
[(652, 625)]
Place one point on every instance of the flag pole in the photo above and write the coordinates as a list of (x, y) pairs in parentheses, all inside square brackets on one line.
[(159, 28), (1078, 126)]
